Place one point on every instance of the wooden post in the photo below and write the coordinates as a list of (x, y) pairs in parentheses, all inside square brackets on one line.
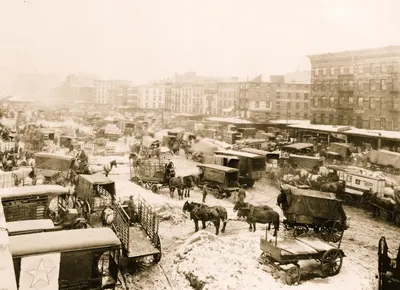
[(266, 234), (329, 139)]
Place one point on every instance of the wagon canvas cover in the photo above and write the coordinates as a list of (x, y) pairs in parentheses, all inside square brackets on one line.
[(49, 164), (306, 162), (314, 203), (384, 157), (342, 149)]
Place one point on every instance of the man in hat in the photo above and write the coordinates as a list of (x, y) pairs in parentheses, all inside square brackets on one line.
[(131, 209), (204, 192)]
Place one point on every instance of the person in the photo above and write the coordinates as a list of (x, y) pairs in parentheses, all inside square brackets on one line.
[(241, 195), (169, 170), (131, 209), (204, 192)]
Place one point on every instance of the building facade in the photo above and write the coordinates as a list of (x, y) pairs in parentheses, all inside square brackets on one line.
[(105, 91), (228, 93), (274, 100), (357, 88), (153, 96)]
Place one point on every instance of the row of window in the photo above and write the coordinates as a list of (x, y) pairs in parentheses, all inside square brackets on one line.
[(289, 106), (373, 68), (371, 85), (362, 102)]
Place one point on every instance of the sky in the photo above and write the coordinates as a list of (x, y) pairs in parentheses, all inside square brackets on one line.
[(146, 40)]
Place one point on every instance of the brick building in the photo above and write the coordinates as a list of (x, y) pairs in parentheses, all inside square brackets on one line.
[(263, 101), (357, 88)]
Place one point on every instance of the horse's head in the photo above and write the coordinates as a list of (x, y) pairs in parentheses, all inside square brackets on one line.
[(113, 163), (187, 206), (239, 205)]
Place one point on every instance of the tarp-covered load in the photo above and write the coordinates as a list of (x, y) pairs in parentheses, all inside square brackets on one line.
[(50, 164), (384, 157), (343, 149), (305, 162), (313, 203), (148, 141)]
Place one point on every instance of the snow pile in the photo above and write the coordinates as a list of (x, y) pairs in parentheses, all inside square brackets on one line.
[(171, 212), (208, 261)]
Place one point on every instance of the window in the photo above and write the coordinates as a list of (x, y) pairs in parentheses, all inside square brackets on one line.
[(316, 71), (324, 71), (331, 100), (332, 70), (351, 85), (297, 106), (257, 104), (383, 85), (278, 95), (372, 68), (351, 100), (297, 95), (288, 105), (315, 101), (371, 103), (351, 69), (372, 85), (360, 85), (305, 96), (358, 181), (360, 102), (289, 95), (341, 69)]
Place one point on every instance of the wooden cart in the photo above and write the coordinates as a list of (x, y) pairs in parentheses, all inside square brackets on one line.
[(139, 238), (291, 251)]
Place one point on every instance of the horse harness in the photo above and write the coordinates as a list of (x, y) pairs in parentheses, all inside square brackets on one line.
[(196, 209)]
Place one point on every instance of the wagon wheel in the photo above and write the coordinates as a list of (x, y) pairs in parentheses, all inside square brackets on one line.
[(154, 188), (298, 230), (217, 192), (331, 262), (157, 257), (326, 231), (293, 275), (84, 208)]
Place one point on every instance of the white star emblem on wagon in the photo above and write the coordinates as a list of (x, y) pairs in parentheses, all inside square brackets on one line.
[(41, 273)]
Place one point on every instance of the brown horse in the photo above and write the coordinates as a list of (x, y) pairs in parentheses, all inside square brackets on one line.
[(201, 212), (259, 214), (334, 187)]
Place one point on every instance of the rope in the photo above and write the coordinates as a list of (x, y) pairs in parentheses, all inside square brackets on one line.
[(166, 277)]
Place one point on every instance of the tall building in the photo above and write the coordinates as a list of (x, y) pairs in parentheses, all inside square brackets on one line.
[(263, 101), (153, 96), (187, 98), (105, 91), (227, 98), (357, 88), (79, 87)]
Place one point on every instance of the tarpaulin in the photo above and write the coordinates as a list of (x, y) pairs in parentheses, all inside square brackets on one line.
[(305, 162), (384, 157), (314, 203)]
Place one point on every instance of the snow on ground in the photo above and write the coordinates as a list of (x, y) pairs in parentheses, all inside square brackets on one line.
[(230, 260)]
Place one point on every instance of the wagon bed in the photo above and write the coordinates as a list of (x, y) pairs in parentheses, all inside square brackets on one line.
[(291, 251), (140, 244)]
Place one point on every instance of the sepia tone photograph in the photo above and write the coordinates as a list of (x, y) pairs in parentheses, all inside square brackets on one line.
[(204, 145)]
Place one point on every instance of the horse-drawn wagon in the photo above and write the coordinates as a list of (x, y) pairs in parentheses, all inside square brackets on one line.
[(150, 173), (139, 237), (221, 181), (388, 268), (305, 209), (251, 166), (94, 193), (41, 202), (285, 255), (53, 166)]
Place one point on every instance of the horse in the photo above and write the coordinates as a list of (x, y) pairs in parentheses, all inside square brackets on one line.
[(105, 169), (259, 214), (176, 183), (22, 173), (241, 206), (201, 212), (334, 187)]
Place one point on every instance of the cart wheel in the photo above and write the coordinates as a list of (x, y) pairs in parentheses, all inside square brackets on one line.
[(293, 275), (300, 230), (218, 192), (331, 262), (154, 188), (326, 231)]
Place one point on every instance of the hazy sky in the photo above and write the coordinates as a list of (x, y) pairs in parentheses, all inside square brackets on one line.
[(144, 40)]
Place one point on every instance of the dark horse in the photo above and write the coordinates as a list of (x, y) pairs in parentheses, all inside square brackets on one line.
[(182, 184), (259, 214), (204, 213)]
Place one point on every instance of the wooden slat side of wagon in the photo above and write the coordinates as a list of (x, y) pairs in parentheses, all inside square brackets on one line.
[(139, 237)]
